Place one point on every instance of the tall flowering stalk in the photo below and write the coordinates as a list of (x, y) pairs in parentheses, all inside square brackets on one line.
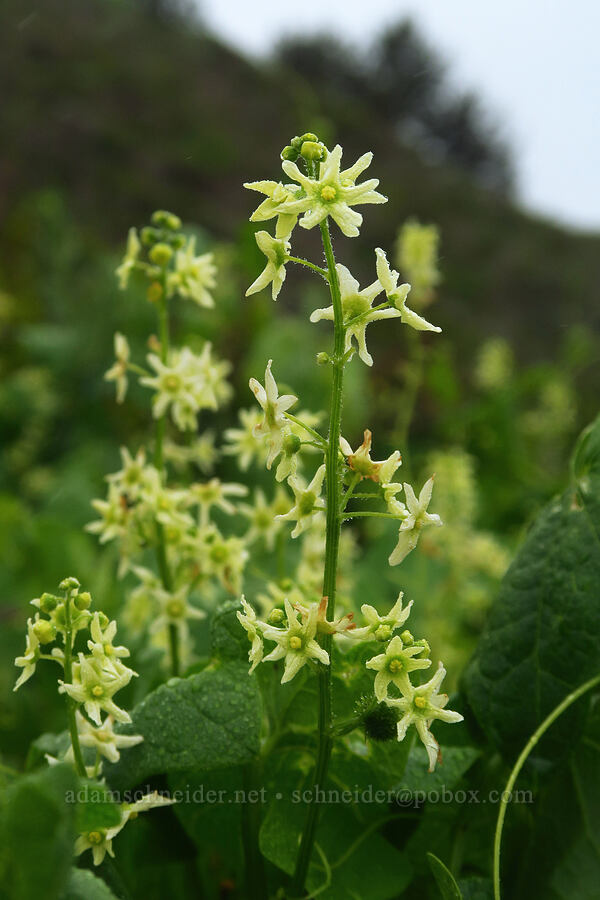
[(321, 190)]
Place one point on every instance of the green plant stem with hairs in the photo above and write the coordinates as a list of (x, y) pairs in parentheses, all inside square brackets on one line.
[(71, 704), (332, 541), (535, 737), (161, 547)]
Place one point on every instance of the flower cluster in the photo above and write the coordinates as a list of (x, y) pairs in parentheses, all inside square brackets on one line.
[(90, 680)]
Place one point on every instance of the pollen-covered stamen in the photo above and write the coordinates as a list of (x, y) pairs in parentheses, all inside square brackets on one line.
[(328, 193)]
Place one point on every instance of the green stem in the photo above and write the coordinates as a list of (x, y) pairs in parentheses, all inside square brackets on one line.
[(256, 883), (349, 492), (318, 437), (304, 262), (71, 704), (332, 541), (537, 734), (161, 547)]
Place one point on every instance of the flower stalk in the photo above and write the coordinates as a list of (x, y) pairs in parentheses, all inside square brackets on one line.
[(332, 541), (161, 547)]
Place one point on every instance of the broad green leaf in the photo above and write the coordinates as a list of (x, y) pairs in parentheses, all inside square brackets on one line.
[(95, 807), (228, 638), (444, 878), (84, 885), (418, 780), (541, 640), (206, 721), (37, 831)]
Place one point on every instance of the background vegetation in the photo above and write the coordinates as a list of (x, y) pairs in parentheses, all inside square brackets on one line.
[(112, 109)]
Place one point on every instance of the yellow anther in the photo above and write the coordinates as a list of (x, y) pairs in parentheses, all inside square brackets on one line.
[(328, 193), (420, 702), (295, 642)]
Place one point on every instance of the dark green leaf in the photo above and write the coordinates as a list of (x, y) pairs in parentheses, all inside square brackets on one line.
[(206, 721), (84, 885), (444, 879), (541, 640), (95, 807), (228, 638), (37, 831)]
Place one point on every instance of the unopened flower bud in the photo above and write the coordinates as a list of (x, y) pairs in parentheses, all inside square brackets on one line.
[(83, 601), (407, 638), (312, 150), (276, 617), (290, 153), (160, 254), (166, 220), (44, 631), (309, 136), (48, 602), (69, 584), (149, 236), (383, 633), (291, 444), (323, 358)]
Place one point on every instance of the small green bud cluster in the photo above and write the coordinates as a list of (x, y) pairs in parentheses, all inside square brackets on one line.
[(306, 146)]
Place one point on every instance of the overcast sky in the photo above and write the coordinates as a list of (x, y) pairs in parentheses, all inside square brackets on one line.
[(534, 62)]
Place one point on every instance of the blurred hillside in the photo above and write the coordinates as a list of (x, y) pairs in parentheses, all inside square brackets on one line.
[(112, 109)]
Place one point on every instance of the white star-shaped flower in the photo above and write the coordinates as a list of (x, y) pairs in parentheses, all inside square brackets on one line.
[(296, 642), (419, 707), (356, 307), (395, 665), (273, 423), (277, 253), (307, 502), (397, 294), (416, 519), (333, 193)]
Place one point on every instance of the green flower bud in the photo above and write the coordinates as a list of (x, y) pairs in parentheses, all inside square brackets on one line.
[(276, 617), (290, 153), (44, 631), (407, 638), (177, 241), (83, 601), (309, 136), (160, 254), (312, 150), (291, 444), (103, 620), (166, 220), (383, 633), (69, 584), (48, 602), (323, 358), (149, 236), (297, 142)]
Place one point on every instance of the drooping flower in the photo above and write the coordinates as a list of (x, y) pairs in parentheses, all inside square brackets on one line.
[(273, 423), (356, 306), (416, 519), (278, 198), (296, 641), (104, 739), (252, 626), (28, 661), (100, 840), (419, 707), (118, 372), (307, 501), (333, 193), (277, 253), (193, 276), (381, 628), (395, 665), (130, 259), (397, 294)]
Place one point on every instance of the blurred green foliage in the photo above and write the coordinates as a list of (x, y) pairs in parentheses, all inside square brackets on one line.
[(111, 109)]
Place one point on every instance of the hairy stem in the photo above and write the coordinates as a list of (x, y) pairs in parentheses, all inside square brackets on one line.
[(161, 547), (332, 541), (537, 734), (71, 704)]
